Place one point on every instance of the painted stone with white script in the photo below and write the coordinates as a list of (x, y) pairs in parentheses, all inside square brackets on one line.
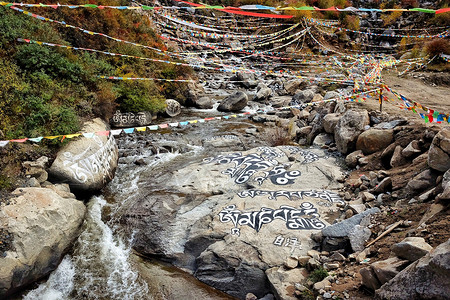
[(87, 163), (232, 216), (121, 120)]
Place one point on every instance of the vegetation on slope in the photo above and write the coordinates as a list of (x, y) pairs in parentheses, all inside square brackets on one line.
[(49, 90)]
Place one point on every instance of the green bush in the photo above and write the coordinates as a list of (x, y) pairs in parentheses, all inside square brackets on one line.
[(35, 58), (318, 274), (139, 96)]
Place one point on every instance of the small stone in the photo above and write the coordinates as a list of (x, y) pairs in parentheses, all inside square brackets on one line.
[(327, 295), (336, 256), (251, 296), (347, 196), (331, 266), (291, 263), (314, 253), (384, 186), (367, 197), (322, 285), (303, 260), (300, 287)]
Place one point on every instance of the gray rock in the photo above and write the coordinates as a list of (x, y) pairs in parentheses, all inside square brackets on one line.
[(330, 121), (390, 125), (357, 208), (350, 125), (422, 181), (351, 160), (374, 140), (358, 237), (87, 164), (234, 102), (412, 248), (331, 95), (378, 273), (36, 169), (343, 228), (384, 186), (438, 156), (204, 103), (427, 278), (262, 93), (411, 150), (397, 158), (323, 139), (301, 97), (336, 256), (246, 80), (43, 225), (293, 85), (173, 108)]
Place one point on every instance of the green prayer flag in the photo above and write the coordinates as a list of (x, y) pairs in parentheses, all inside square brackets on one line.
[(431, 11), (305, 8)]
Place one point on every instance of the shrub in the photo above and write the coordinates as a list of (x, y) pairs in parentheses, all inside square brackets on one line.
[(278, 136), (318, 274), (139, 96), (437, 46), (35, 58)]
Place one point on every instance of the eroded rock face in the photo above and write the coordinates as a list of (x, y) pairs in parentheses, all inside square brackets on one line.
[(89, 162), (438, 156), (349, 127), (233, 216), (43, 222), (427, 278)]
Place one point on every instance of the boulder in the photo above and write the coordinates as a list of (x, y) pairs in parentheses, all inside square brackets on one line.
[(173, 108), (203, 103), (411, 150), (427, 278), (130, 119), (358, 237), (282, 188), (262, 93), (89, 162), (412, 248), (350, 125), (323, 139), (246, 80), (292, 86), (330, 121), (397, 157), (331, 95), (352, 159), (380, 272), (374, 140), (36, 169), (438, 156), (384, 186), (343, 228), (301, 97), (43, 222), (422, 181), (234, 102)]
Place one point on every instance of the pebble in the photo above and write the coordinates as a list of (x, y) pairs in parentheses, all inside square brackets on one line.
[(327, 295)]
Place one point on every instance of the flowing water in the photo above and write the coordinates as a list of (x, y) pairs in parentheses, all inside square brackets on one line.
[(100, 265)]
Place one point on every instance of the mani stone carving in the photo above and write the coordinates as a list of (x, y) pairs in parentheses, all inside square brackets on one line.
[(131, 119), (87, 163), (173, 108)]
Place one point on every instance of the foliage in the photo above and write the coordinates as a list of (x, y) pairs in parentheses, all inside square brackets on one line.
[(50, 91), (391, 18), (437, 46), (307, 295), (318, 274), (139, 96), (278, 136)]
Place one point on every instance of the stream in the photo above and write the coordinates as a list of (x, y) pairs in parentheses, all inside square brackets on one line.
[(102, 264)]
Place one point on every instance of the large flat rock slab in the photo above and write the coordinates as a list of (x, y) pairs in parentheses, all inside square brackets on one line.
[(232, 216)]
